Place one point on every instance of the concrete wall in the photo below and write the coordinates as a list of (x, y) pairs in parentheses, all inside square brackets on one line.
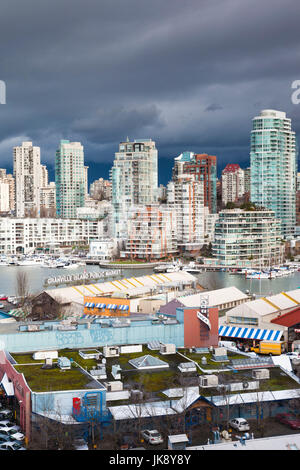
[(92, 337), (60, 403)]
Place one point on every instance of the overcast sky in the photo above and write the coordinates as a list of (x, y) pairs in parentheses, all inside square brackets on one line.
[(190, 74)]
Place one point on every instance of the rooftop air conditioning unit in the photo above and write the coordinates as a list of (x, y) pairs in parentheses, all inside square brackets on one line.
[(208, 380), (260, 374)]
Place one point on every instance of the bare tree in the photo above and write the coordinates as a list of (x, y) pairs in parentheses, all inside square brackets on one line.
[(22, 286), (32, 212), (49, 432), (47, 212)]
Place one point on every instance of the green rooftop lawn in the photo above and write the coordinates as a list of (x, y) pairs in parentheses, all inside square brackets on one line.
[(150, 380), (156, 381), (43, 380), (26, 359), (197, 357), (278, 381)]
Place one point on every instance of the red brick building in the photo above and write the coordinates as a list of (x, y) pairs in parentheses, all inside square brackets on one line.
[(198, 332), (204, 168), (292, 321)]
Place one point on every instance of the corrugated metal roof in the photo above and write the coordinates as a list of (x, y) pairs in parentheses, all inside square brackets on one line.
[(160, 408), (281, 301), (215, 297), (253, 397), (136, 285), (260, 307), (289, 442)]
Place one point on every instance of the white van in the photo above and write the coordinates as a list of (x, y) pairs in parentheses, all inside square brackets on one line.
[(228, 344)]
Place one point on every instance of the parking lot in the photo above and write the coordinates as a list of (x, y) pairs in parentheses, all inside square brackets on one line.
[(11, 435), (198, 435)]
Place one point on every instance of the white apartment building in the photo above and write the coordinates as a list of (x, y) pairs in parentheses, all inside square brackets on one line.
[(101, 189), (152, 233), (8, 179), (233, 183), (44, 176), (4, 197), (185, 195), (247, 236), (103, 249), (134, 178), (86, 181), (27, 174), (24, 235), (209, 225)]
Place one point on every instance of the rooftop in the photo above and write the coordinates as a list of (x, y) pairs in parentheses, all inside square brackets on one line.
[(132, 286), (215, 297), (152, 382), (55, 379), (289, 442)]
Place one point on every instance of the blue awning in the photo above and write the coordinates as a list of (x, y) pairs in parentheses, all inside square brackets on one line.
[(100, 305), (250, 333)]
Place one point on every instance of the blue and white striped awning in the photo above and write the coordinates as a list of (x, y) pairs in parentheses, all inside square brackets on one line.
[(100, 305), (250, 333), (89, 305), (112, 306), (123, 307)]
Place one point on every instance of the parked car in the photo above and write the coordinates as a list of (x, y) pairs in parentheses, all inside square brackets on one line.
[(3, 297), (80, 444), (289, 419), (11, 445), (17, 436), (152, 436), (6, 422), (240, 424), (13, 432), (4, 437)]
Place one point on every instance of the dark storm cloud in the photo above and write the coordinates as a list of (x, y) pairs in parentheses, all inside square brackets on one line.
[(213, 107), (191, 74)]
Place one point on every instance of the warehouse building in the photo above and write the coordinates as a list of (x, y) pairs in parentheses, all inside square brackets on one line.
[(263, 318), (223, 299), (82, 299)]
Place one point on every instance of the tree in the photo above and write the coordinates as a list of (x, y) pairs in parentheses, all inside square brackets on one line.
[(22, 287), (230, 205), (47, 212), (51, 432), (32, 212)]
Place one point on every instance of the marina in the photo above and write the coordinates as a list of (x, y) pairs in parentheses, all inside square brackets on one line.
[(39, 270)]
